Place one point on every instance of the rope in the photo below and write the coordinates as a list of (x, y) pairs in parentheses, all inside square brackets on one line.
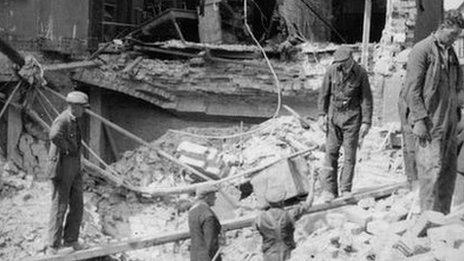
[(276, 79), (10, 98), (262, 126), (278, 89)]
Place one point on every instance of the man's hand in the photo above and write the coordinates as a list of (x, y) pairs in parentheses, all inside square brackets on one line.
[(322, 123), (420, 130), (365, 127)]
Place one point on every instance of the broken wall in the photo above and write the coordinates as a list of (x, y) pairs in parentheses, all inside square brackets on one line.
[(397, 36), (60, 25), (301, 20)]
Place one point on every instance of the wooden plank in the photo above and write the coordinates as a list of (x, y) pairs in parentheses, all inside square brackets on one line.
[(96, 141), (366, 32), (243, 222), (11, 53), (167, 16), (70, 66)]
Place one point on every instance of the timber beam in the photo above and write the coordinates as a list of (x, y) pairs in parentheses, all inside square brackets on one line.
[(243, 222)]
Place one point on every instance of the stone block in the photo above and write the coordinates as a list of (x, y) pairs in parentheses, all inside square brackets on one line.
[(357, 214), (446, 236), (335, 220), (378, 227), (426, 220), (401, 226), (366, 203)]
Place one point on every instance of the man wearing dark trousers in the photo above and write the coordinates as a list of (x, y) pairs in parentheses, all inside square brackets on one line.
[(409, 142), (345, 105), (204, 226), (432, 90), (65, 173)]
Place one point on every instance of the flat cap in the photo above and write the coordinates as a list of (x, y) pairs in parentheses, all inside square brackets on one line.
[(342, 54), (204, 190), (77, 97)]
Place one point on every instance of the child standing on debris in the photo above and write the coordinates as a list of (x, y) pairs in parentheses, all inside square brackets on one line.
[(276, 225), (204, 226)]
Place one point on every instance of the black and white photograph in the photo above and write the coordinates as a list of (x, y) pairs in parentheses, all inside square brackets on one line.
[(233, 130)]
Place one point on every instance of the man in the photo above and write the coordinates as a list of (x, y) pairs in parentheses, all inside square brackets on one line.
[(204, 226), (433, 83), (345, 105), (277, 225), (458, 195), (65, 173)]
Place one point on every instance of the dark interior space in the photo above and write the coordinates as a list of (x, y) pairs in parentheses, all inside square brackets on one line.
[(260, 17), (348, 16)]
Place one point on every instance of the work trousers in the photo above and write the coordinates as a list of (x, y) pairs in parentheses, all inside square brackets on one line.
[(342, 130), (409, 145), (67, 191), (437, 174)]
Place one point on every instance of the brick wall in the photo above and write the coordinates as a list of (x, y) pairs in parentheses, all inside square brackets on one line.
[(397, 36)]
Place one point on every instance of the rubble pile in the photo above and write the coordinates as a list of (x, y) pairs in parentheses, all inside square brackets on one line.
[(198, 74), (381, 230), (113, 214)]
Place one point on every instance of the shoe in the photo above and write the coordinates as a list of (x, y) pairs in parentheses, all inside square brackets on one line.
[(346, 194), (326, 197), (76, 245), (51, 251)]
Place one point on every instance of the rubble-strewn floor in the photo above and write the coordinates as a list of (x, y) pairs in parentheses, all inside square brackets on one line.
[(114, 214)]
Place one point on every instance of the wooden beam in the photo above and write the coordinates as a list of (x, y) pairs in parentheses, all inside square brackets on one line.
[(96, 141), (139, 140), (366, 32), (11, 53), (70, 66), (243, 222)]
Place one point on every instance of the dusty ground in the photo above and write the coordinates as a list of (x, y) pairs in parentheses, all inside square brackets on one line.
[(114, 214)]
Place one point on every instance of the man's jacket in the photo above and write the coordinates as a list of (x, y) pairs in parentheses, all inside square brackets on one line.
[(65, 137), (348, 93), (423, 77), (204, 232)]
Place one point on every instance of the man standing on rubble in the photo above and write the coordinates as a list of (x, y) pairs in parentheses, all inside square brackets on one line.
[(204, 226), (345, 105), (433, 83), (65, 173)]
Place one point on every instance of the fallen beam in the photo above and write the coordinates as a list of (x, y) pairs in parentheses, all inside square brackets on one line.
[(70, 66), (144, 242)]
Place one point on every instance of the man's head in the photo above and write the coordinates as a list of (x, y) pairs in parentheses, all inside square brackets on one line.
[(450, 28), (343, 56), (77, 102), (207, 193)]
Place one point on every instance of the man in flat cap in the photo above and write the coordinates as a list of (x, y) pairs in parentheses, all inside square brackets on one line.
[(65, 173), (204, 225), (345, 106)]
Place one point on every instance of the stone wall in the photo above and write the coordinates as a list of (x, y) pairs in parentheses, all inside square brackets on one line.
[(397, 36)]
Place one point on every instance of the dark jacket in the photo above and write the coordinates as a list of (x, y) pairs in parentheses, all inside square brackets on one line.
[(276, 227), (204, 232), (350, 93), (65, 137), (422, 78)]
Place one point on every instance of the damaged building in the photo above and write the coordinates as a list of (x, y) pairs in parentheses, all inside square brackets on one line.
[(155, 70), (226, 80)]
